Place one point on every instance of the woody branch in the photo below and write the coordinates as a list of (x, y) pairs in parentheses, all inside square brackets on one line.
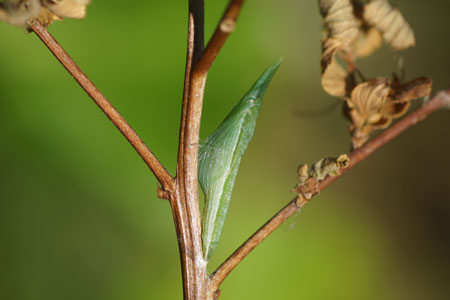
[(185, 203), (162, 175), (442, 99)]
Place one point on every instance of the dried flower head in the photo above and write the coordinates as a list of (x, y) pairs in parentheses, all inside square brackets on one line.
[(356, 28), (375, 103), (20, 12)]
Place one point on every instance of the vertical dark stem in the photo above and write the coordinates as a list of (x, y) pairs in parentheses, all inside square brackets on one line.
[(197, 9)]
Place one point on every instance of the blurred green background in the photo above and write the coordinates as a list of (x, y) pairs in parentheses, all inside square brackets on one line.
[(79, 217)]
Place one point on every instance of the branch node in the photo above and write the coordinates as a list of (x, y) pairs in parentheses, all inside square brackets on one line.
[(162, 194), (161, 174), (228, 25)]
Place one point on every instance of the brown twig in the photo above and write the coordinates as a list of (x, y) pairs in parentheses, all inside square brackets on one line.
[(195, 47), (185, 204), (186, 218), (442, 99), (192, 108), (164, 178)]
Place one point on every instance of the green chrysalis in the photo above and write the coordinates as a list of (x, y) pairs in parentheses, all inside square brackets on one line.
[(220, 155)]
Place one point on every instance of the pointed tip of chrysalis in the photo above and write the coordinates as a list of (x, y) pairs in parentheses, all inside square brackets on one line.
[(260, 86)]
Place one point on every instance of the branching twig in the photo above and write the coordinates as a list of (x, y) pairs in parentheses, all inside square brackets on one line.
[(185, 204), (192, 108), (164, 178), (183, 192), (440, 100)]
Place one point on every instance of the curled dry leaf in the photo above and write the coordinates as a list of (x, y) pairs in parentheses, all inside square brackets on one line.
[(355, 28), (375, 103), (369, 40), (366, 101), (334, 79), (341, 30), (340, 24), (20, 12), (401, 95), (396, 31), (75, 9), (416, 88)]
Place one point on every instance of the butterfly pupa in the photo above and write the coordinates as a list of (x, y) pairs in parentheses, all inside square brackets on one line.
[(220, 155)]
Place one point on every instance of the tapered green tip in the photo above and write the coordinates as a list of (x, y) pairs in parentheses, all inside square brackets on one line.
[(259, 88)]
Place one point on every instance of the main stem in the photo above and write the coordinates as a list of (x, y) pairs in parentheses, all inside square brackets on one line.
[(185, 204)]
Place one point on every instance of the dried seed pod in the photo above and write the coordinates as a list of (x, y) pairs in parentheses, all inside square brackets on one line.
[(396, 31)]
